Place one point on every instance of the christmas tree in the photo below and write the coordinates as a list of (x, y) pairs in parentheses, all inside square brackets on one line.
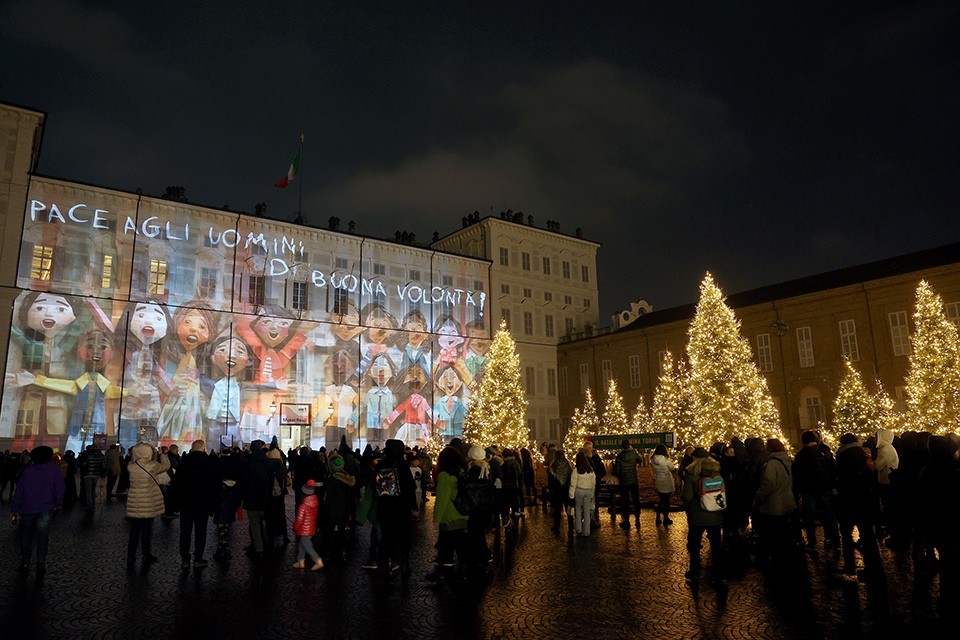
[(585, 423), (855, 410), (615, 420), (933, 383), (641, 418), (670, 411), (728, 395), (498, 408)]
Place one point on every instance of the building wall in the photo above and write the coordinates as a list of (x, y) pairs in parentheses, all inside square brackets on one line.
[(803, 390)]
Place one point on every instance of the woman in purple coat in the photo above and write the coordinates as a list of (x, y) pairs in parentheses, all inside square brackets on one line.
[(39, 493)]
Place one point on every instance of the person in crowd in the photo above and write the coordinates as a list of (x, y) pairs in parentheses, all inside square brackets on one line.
[(112, 463), (229, 472), (700, 520), (558, 478), (855, 507), (256, 485), (583, 481), (529, 476), (599, 472), (144, 499), (775, 505), (336, 507), (663, 469), (814, 480), (513, 484), (305, 526), (395, 499), (92, 469), (452, 537), (886, 462), (937, 490), (196, 491), (70, 495), (736, 515), (39, 492), (275, 517), (625, 468), (481, 516), (170, 508)]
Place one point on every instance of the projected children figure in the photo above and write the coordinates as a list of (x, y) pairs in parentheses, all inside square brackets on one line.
[(415, 411), (46, 341), (181, 418), (230, 357), (380, 325), (450, 341), (449, 411), (333, 407), (477, 345), (144, 376), (376, 405), (414, 353)]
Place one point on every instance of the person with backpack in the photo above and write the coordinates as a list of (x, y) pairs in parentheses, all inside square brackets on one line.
[(452, 537), (480, 489), (582, 484), (703, 498), (395, 499), (513, 487), (814, 480), (558, 478), (625, 468), (775, 505), (336, 507)]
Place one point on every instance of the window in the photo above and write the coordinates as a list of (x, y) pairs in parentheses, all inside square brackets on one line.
[(299, 296), (586, 303), (446, 281), (257, 292), (528, 293), (207, 287), (546, 266), (953, 312), (106, 273), (562, 385), (415, 275), (661, 358), (584, 377), (607, 369), (504, 257), (340, 301), (478, 285), (25, 421), (566, 269), (848, 340), (814, 412), (568, 300), (208, 241), (805, 346), (379, 269), (634, 362), (555, 429), (900, 333), (585, 273), (505, 289), (551, 382), (341, 263), (764, 352), (40, 267), (528, 323), (568, 326), (531, 375), (158, 276), (505, 315), (548, 326), (258, 249), (532, 428), (547, 296), (525, 261)]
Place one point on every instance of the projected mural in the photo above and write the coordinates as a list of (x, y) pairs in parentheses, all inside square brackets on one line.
[(158, 321)]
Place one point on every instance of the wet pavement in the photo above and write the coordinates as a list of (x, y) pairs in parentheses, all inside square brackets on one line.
[(614, 584)]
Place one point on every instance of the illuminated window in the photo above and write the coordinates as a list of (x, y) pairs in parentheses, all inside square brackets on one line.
[(551, 382), (585, 273), (42, 262), (546, 266), (257, 293), (634, 362), (299, 302), (379, 269), (528, 323), (207, 287), (525, 261), (566, 269), (158, 276), (607, 369), (814, 411), (504, 257), (562, 385), (584, 377), (548, 326), (953, 312), (531, 381), (900, 333), (764, 352), (848, 340), (106, 273), (528, 293), (805, 346)]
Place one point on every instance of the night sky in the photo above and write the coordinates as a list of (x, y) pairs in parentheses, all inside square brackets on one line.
[(762, 141)]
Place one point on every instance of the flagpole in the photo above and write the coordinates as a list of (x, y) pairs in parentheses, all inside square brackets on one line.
[(300, 196)]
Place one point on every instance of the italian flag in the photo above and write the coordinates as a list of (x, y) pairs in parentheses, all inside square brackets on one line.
[(292, 173)]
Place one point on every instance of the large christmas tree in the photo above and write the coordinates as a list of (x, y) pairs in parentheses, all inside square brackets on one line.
[(584, 424), (615, 420), (855, 410), (498, 408), (728, 395), (933, 384), (670, 410)]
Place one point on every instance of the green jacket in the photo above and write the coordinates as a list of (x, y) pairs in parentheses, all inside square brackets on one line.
[(443, 510), (628, 459), (696, 515)]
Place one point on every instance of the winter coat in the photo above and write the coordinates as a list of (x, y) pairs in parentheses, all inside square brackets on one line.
[(697, 516), (39, 490), (855, 496), (337, 499), (112, 461), (775, 495), (628, 459), (887, 457), (196, 487), (144, 499), (444, 512), (663, 468), (581, 481), (93, 464), (814, 470), (305, 525), (256, 482)]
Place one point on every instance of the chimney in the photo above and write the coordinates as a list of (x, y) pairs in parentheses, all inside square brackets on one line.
[(579, 232), (333, 223)]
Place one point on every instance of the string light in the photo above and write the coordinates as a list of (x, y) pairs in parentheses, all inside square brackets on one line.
[(584, 424)]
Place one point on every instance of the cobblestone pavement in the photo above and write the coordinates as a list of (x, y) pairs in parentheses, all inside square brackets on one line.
[(614, 584)]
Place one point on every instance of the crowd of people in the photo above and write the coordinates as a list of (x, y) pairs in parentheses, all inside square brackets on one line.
[(756, 504)]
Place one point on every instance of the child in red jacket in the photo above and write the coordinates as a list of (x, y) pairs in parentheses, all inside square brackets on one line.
[(305, 526)]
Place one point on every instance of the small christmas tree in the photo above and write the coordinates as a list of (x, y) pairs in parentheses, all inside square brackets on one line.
[(933, 383), (855, 410), (615, 420), (641, 418), (670, 410), (498, 408), (728, 395), (584, 424)]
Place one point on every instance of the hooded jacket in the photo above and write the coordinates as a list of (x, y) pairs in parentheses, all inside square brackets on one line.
[(697, 516), (144, 499), (775, 495), (41, 486), (887, 457), (663, 468)]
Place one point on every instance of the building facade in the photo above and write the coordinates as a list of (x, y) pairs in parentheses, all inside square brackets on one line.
[(543, 283), (800, 332), (141, 318)]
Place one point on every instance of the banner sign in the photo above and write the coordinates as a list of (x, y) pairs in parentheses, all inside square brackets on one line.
[(638, 440)]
